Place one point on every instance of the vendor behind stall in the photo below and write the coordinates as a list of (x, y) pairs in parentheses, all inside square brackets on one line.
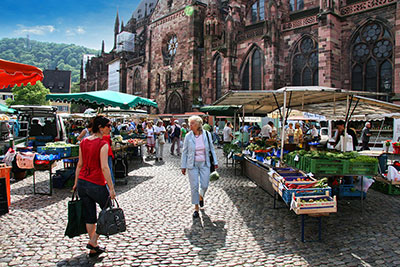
[(340, 130)]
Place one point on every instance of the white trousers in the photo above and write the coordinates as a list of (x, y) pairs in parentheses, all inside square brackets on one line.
[(159, 150), (199, 175)]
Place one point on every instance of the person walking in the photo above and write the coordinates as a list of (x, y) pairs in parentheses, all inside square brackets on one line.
[(151, 142), (195, 158), (227, 133), (289, 132), (184, 131), (365, 135), (159, 130), (91, 177), (176, 138)]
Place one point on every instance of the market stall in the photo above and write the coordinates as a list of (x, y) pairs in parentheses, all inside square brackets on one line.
[(127, 146), (321, 100)]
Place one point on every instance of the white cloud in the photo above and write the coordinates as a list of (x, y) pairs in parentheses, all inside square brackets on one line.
[(80, 30), (73, 32), (35, 30)]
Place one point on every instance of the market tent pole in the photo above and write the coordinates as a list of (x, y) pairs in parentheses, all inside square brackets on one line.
[(242, 128), (344, 147), (283, 124)]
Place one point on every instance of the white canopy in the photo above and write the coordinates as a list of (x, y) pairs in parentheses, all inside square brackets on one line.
[(326, 101)]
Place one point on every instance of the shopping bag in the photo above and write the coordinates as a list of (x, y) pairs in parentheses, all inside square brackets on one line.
[(75, 226), (111, 219), (161, 139)]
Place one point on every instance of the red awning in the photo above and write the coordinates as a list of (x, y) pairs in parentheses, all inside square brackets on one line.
[(12, 73)]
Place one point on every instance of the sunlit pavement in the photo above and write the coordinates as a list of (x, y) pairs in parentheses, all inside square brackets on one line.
[(237, 226)]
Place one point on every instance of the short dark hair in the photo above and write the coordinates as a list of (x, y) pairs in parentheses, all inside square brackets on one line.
[(270, 123), (341, 122), (98, 122)]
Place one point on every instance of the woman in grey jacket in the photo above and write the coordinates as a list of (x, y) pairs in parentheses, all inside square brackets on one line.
[(195, 158)]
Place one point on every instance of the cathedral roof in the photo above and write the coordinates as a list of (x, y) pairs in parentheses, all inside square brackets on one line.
[(140, 11)]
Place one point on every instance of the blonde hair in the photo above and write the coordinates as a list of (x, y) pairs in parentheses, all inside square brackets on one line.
[(197, 120)]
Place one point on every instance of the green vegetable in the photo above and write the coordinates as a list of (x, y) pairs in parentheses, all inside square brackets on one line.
[(214, 176)]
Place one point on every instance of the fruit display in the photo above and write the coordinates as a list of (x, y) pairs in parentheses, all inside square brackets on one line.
[(117, 138), (136, 141), (322, 204)]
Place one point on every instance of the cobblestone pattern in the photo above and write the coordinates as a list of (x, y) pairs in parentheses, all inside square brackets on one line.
[(237, 227)]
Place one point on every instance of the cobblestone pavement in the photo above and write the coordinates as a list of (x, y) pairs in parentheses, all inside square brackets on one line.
[(237, 227)]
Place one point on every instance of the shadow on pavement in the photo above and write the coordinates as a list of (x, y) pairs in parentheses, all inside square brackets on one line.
[(209, 236), (81, 260)]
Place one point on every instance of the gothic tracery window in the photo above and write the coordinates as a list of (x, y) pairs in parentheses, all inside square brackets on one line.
[(252, 71), (169, 48), (371, 59), (137, 83), (305, 63)]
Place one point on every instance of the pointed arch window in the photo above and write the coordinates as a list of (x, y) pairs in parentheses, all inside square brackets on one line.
[(252, 71), (137, 83), (372, 59), (305, 63), (258, 11), (218, 77)]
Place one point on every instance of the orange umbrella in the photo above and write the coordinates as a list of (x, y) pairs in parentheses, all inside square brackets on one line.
[(12, 73)]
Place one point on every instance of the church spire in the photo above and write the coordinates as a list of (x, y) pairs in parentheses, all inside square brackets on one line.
[(122, 25), (102, 47), (116, 30)]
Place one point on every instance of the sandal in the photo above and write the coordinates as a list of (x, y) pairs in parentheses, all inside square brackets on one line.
[(97, 250)]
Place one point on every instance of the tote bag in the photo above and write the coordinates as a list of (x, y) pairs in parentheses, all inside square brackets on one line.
[(75, 226), (212, 167), (161, 139)]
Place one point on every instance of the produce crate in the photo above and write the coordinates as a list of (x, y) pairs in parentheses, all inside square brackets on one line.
[(348, 190), (329, 205), (360, 168), (323, 166), (386, 188), (286, 193), (64, 152)]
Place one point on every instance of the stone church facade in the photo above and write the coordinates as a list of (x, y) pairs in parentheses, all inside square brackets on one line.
[(190, 53)]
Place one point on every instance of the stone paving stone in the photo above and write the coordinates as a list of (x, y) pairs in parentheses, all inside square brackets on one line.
[(236, 228)]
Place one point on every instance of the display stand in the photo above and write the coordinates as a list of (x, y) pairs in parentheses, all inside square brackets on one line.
[(47, 168)]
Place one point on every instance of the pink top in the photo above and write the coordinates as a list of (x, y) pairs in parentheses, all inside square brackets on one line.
[(200, 154)]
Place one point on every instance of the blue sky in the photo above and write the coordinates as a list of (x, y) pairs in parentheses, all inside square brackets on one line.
[(84, 22)]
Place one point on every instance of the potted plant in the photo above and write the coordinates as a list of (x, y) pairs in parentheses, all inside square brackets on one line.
[(396, 147), (387, 145)]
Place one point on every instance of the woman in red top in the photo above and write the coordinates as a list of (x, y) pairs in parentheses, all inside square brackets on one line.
[(91, 177)]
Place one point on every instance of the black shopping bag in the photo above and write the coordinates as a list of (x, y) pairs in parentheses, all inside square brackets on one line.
[(76, 226), (111, 220)]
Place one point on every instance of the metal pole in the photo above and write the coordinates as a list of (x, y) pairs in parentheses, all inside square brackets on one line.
[(345, 126), (283, 124)]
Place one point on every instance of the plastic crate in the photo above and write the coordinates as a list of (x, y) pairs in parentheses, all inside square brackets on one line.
[(260, 158), (286, 193), (323, 166), (386, 188), (348, 190), (64, 152), (360, 168)]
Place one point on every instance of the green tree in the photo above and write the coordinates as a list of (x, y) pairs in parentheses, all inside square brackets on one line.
[(75, 88), (29, 95)]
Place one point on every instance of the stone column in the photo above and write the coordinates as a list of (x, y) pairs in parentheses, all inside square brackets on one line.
[(329, 51)]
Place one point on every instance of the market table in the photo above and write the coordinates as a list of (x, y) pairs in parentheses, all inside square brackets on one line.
[(47, 168)]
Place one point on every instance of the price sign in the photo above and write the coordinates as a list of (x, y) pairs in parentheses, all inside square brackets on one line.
[(296, 158)]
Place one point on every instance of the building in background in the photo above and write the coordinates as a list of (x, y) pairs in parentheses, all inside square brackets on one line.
[(186, 54), (58, 82)]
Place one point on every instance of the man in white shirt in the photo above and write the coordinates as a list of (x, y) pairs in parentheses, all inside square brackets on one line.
[(227, 132), (266, 131), (159, 131)]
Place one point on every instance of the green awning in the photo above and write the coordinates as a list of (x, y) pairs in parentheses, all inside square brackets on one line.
[(220, 110), (5, 109), (103, 99)]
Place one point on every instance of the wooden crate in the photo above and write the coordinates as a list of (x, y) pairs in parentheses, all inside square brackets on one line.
[(329, 206)]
